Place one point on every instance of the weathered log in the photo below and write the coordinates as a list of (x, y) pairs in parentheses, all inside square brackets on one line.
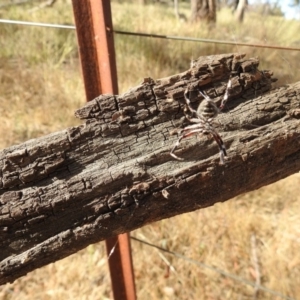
[(113, 174)]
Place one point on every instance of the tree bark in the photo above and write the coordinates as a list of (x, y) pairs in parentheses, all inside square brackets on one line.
[(113, 174), (204, 10), (240, 10)]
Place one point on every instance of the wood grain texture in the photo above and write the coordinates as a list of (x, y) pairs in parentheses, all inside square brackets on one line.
[(113, 174)]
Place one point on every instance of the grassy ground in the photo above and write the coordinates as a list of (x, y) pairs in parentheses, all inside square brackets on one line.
[(41, 86)]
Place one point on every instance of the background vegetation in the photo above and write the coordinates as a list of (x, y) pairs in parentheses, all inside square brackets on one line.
[(41, 86)]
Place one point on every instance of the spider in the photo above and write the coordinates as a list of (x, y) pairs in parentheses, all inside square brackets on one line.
[(203, 119), (226, 95)]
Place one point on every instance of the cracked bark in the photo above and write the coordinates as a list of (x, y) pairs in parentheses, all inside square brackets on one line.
[(113, 174)]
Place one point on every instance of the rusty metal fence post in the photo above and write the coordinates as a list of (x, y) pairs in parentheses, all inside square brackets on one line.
[(97, 54)]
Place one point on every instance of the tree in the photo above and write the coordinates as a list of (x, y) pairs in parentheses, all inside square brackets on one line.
[(203, 10), (239, 8), (267, 8)]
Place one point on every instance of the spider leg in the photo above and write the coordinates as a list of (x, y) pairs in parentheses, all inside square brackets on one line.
[(221, 145), (194, 120), (188, 103), (204, 95), (182, 136), (226, 95)]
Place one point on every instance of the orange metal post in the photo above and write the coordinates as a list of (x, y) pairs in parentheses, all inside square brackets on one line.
[(96, 46)]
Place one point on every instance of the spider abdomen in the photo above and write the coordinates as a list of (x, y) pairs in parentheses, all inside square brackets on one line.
[(208, 109), (202, 122)]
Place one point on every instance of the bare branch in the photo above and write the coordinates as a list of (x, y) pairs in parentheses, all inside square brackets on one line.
[(113, 174)]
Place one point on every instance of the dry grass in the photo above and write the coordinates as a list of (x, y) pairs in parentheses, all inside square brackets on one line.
[(40, 87)]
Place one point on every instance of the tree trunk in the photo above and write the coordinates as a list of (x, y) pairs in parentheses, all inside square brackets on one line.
[(203, 10), (113, 174), (178, 15), (240, 10)]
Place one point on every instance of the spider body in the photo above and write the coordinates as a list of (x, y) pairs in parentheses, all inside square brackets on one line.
[(203, 120), (207, 108)]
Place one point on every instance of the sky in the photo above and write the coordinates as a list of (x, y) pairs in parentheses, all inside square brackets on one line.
[(289, 11)]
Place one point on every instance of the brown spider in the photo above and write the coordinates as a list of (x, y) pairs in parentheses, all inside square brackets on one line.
[(203, 119)]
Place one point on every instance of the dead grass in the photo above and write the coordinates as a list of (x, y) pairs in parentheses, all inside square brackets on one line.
[(41, 86)]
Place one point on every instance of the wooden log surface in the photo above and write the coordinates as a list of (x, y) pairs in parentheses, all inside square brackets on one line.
[(61, 192)]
